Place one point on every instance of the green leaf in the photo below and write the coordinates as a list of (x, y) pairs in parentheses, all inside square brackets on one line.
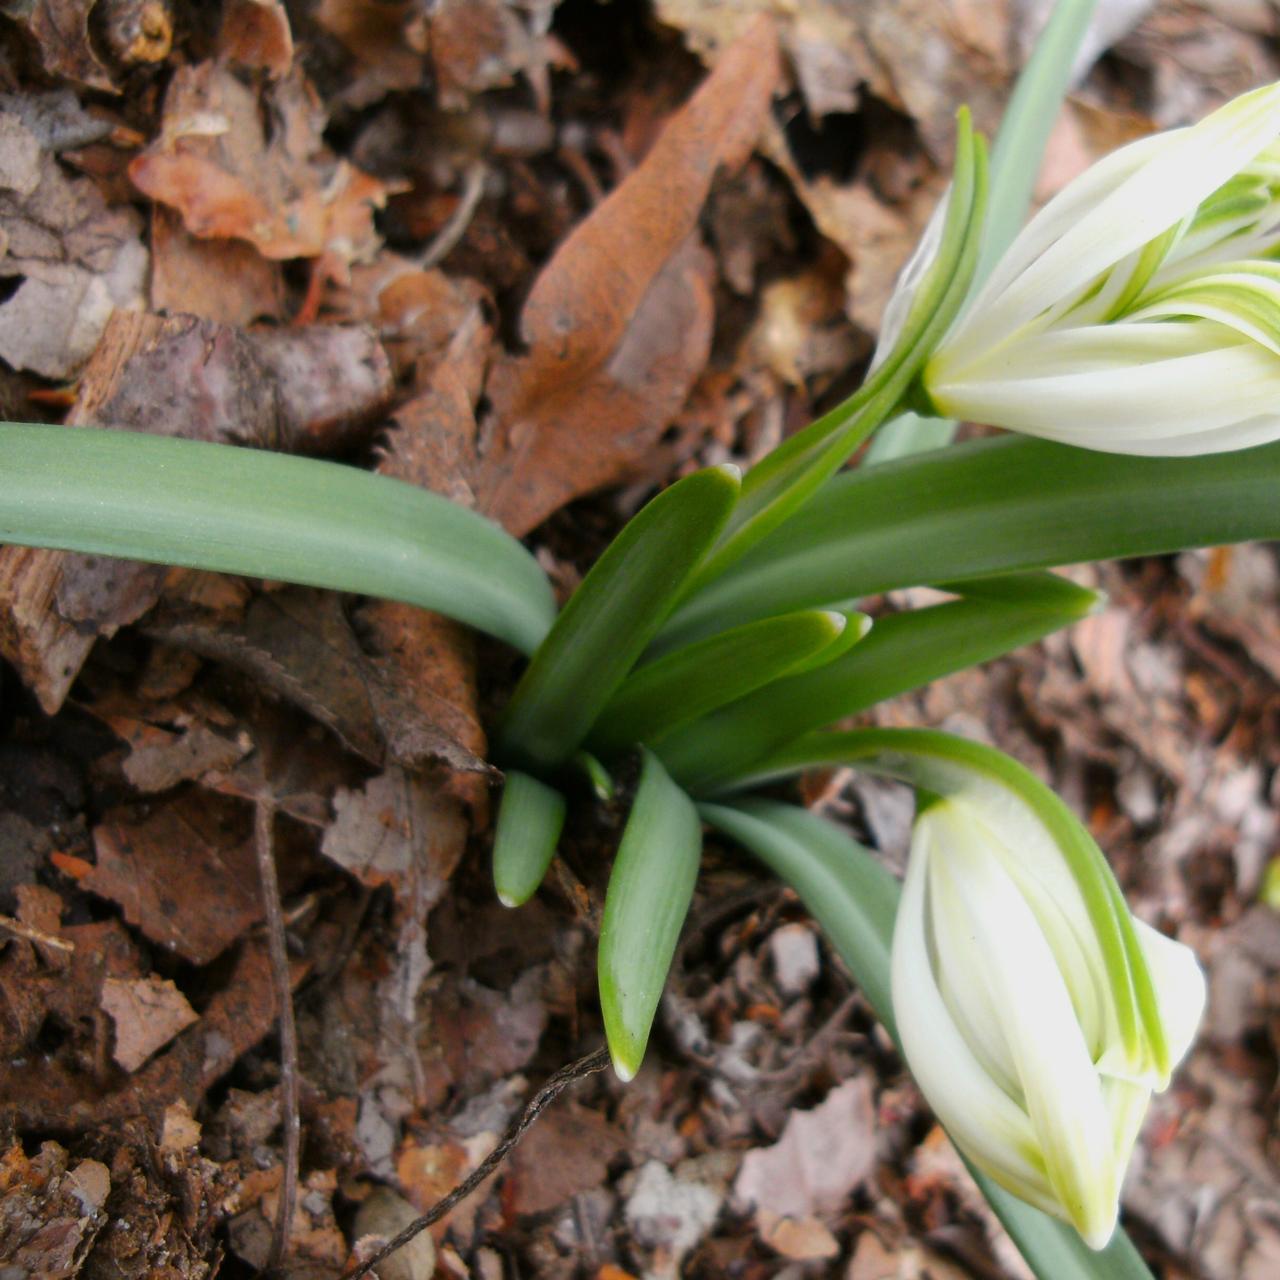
[(903, 651), (854, 899), (1018, 151), (985, 508), (689, 683), (611, 618), (267, 515), (1016, 157), (649, 892), (530, 819), (785, 479)]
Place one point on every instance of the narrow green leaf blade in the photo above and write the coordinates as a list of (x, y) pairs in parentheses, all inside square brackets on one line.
[(855, 899), (1016, 157), (785, 479), (649, 892), (612, 617), (1018, 150), (691, 682), (985, 508), (530, 819), (903, 651), (267, 515)]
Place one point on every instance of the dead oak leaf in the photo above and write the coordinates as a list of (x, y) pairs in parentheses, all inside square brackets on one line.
[(618, 324), (146, 1014), (283, 192)]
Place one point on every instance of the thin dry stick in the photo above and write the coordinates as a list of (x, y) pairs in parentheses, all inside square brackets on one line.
[(264, 815), (449, 236), (549, 1092)]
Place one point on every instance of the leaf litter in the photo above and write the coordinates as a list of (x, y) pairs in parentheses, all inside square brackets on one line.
[(538, 257)]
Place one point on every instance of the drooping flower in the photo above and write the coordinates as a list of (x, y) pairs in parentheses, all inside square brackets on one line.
[(1036, 1014), (1139, 311)]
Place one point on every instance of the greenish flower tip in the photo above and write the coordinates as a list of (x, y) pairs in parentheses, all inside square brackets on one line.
[(1139, 311), (1037, 1016)]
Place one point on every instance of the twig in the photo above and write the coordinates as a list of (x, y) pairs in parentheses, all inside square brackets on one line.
[(264, 815), (447, 238), (31, 934), (549, 1092)]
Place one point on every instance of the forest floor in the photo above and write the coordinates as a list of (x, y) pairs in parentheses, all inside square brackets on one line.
[(363, 229)]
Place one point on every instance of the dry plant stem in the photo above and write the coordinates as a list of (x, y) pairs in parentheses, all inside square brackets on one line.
[(264, 846), (450, 235), (38, 936), (549, 1092)]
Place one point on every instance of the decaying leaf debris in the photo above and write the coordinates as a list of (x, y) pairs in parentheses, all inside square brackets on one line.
[(540, 256)]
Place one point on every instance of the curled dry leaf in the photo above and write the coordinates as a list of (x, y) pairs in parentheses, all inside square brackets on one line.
[(283, 192), (618, 325), (60, 29)]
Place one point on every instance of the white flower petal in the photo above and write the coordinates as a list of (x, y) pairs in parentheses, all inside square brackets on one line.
[(1063, 1094), (1180, 989), (1174, 173), (1132, 388), (983, 1120)]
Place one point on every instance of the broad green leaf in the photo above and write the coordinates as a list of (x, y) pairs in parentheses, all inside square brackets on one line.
[(650, 888), (903, 651), (785, 479), (267, 515), (985, 508), (611, 618), (1016, 157), (530, 818), (854, 899), (689, 683)]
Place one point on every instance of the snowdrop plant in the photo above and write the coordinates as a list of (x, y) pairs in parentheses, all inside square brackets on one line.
[(717, 639)]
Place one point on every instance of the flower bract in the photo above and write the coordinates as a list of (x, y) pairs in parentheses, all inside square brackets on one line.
[(1139, 311)]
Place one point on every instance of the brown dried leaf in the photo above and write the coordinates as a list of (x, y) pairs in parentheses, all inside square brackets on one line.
[(285, 195), (256, 34), (160, 758), (49, 1215), (396, 829), (75, 258), (146, 1013), (226, 281), (60, 29), (566, 1152), (618, 324), (376, 33), (185, 875), (299, 643), (477, 45), (822, 1155)]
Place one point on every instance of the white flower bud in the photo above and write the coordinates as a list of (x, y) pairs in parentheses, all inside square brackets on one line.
[(1036, 1014), (1139, 311)]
